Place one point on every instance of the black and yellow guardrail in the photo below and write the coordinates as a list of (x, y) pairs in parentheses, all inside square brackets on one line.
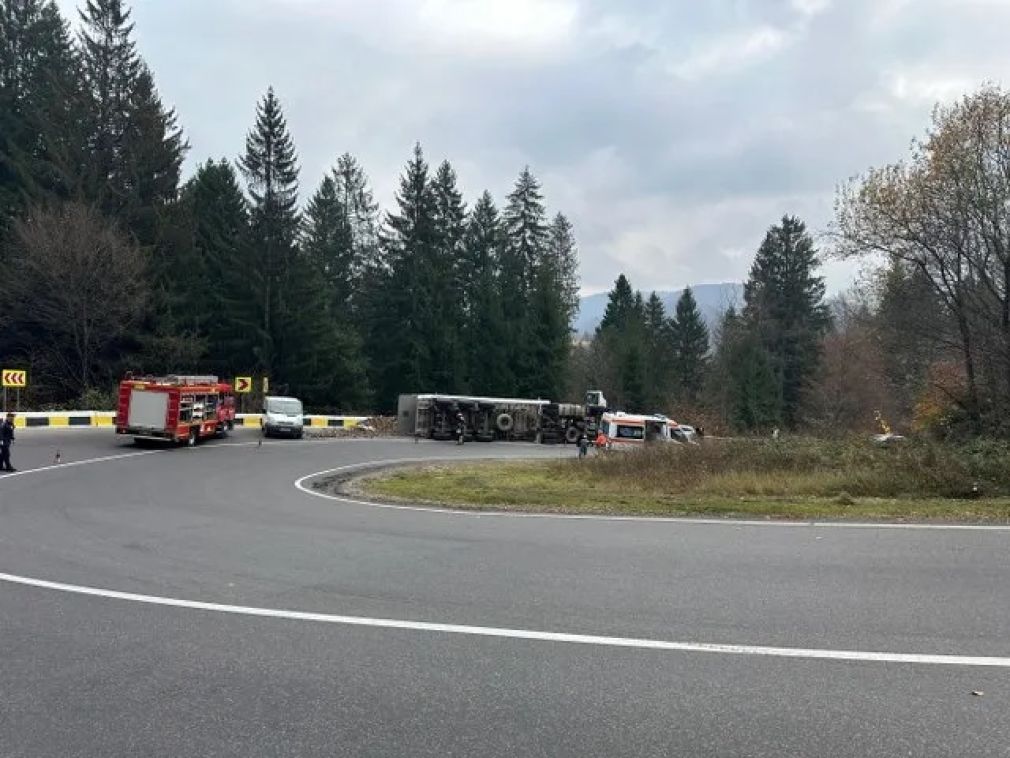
[(77, 419)]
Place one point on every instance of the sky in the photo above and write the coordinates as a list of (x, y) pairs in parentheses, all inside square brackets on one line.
[(672, 133)]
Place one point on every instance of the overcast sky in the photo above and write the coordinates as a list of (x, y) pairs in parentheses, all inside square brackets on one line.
[(672, 132)]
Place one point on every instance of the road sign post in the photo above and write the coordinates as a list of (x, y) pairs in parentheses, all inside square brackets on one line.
[(16, 379)]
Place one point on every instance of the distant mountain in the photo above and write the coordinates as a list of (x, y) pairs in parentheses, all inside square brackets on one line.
[(713, 301)]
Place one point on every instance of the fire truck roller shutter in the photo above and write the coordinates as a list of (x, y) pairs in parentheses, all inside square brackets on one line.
[(504, 422)]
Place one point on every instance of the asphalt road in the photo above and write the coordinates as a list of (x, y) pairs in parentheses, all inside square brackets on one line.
[(223, 524)]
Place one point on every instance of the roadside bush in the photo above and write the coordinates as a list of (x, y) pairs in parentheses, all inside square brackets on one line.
[(93, 399)]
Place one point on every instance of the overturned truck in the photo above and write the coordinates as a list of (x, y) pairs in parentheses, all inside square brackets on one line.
[(486, 419)]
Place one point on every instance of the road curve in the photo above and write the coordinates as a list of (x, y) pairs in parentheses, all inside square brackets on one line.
[(223, 527)]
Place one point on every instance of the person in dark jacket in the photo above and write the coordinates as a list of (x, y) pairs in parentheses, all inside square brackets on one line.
[(6, 440)]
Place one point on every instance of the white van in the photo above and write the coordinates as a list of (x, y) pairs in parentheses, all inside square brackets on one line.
[(283, 416)]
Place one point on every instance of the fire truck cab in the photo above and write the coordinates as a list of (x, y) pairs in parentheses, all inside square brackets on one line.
[(175, 408)]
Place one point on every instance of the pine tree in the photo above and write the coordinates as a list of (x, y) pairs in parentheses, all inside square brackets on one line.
[(153, 153), (270, 167), (690, 349), (328, 241), (785, 309), (620, 306), (332, 360), (218, 215), (111, 67), (756, 400), (135, 144), (41, 142), (741, 384), (488, 370), (354, 194), (526, 230), (622, 346), (400, 326), (657, 342), (549, 336), (526, 238), (449, 229), (562, 250)]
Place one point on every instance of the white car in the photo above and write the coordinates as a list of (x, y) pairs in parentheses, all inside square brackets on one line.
[(684, 433), (283, 416)]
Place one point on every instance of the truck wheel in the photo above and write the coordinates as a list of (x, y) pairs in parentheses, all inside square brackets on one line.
[(571, 435), (504, 422)]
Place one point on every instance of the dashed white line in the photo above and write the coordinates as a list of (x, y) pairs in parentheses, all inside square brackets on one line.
[(520, 634)]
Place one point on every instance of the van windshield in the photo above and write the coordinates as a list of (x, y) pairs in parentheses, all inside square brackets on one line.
[(288, 407)]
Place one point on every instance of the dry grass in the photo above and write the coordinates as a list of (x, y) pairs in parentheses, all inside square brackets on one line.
[(783, 479)]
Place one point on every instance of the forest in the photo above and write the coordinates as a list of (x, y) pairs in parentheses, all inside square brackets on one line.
[(112, 261)]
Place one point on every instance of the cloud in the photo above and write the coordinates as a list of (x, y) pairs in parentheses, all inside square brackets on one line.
[(732, 52), (672, 132)]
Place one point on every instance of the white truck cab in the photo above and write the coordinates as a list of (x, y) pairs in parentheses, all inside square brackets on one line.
[(283, 416)]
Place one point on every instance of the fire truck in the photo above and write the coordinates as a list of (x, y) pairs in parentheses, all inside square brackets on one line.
[(183, 409)]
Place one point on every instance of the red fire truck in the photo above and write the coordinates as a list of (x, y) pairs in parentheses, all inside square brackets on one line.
[(175, 408)]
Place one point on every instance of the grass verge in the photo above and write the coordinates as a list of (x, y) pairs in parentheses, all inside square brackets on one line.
[(805, 479)]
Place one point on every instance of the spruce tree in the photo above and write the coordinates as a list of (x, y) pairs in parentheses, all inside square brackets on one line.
[(785, 309), (398, 344), (332, 361), (622, 347), (620, 306), (328, 241), (562, 251), (42, 151), (526, 238), (270, 167), (153, 153), (356, 197), (447, 270), (111, 67), (219, 220), (135, 143), (549, 336), (658, 350), (488, 371), (690, 349)]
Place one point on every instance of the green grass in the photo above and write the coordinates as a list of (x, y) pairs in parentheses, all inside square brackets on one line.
[(796, 479)]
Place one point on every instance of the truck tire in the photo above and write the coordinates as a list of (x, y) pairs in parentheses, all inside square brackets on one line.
[(504, 422), (572, 435)]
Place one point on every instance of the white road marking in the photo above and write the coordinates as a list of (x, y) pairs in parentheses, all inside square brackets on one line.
[(72, 464), (671, 520), (520, 634)]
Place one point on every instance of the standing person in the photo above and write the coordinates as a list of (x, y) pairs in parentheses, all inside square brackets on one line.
[(6, 440), (583, 445)]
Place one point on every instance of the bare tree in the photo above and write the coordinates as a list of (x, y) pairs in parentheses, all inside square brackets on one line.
[(946, 214), (77, 287)]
